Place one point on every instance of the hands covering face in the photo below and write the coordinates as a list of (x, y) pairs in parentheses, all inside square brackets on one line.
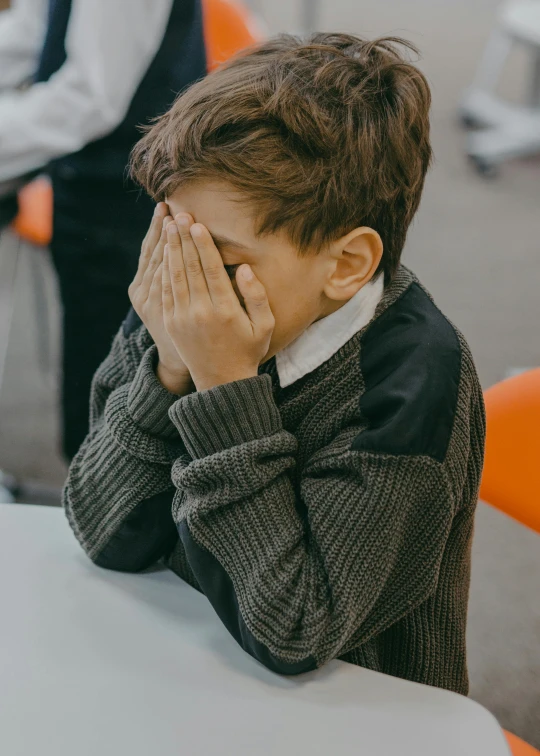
[(186, 300)]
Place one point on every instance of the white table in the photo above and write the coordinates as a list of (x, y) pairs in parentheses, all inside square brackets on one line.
[(96, 662)]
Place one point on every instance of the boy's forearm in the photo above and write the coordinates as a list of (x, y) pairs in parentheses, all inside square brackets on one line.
[(107, 483), (237, 520), (125, 460), (295, 597), (218, 491)]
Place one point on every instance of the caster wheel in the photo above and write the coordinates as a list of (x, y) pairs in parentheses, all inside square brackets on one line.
[(484, 168)]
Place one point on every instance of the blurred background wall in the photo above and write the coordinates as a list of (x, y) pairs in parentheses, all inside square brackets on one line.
[(475, 244)]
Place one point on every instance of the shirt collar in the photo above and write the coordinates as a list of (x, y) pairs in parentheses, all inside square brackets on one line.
[(325, 337)]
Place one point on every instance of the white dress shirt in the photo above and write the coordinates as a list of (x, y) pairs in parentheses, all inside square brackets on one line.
[(325, 337), (109, 44)]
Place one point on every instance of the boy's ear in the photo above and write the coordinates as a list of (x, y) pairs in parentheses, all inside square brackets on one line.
[(355, 258)]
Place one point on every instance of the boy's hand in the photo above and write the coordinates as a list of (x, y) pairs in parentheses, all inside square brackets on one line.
[(145, 295), (217, 339)]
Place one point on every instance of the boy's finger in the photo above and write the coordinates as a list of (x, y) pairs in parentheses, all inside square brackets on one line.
[(150, 241), (154, 230), (217, 280), (156, 257), (255, 300), (192, 261), (155, 287), (176, 267), (167, 296), (157, 254)]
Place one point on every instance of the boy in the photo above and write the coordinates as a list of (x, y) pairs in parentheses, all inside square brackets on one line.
[(293, 427)]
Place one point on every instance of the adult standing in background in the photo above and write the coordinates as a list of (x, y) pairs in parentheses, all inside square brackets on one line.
[(98, 69)]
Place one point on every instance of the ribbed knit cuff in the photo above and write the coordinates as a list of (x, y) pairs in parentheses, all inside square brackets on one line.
[(137, 442), (148, 402), (226, 416)]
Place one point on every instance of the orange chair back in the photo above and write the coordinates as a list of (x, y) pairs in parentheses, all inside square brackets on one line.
[(229, 27), (34, 221), (511, 479), (519, 747)]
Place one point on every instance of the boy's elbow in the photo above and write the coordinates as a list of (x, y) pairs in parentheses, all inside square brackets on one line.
[(273, 662), (288, 669), (118, 562), (115, 556)]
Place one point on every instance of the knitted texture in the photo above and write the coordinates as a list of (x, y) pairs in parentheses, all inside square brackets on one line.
[(119, 463), (332, 552), (148, 403)]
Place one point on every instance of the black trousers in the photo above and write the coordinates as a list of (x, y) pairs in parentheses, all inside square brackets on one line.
[(97, 234)]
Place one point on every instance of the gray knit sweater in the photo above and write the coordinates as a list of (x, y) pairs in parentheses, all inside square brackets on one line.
[(332, 518)]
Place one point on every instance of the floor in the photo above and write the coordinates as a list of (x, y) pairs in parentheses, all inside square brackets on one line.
[(474, 244)]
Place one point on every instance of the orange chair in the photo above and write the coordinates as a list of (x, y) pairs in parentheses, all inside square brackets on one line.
[(510, 477), (519, 747), (34, 221), (510, 480), (229, 27)]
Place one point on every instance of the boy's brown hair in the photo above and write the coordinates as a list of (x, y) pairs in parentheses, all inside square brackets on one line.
[(321, 136)]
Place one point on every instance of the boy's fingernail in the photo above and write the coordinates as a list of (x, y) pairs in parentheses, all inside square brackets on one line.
[(247, 273)]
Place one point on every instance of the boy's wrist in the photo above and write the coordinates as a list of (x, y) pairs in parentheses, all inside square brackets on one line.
[(174, 381)]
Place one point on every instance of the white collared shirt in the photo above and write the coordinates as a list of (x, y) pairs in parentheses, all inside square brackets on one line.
[(325, 337), (109, 44)]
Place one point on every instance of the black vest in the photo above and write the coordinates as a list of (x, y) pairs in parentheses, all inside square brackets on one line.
[(180, 61)]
